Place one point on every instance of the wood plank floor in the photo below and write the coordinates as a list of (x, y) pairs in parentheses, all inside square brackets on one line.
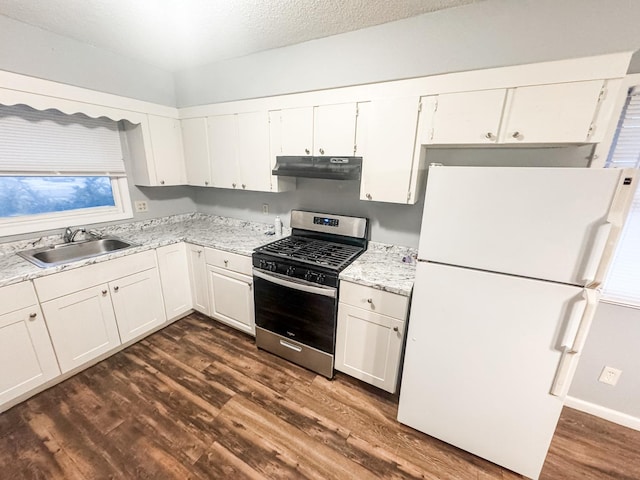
[(197, 400)]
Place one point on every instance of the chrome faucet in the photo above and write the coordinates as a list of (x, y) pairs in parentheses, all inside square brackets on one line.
[(69, 234)]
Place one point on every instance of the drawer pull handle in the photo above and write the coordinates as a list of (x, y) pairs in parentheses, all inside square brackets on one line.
[(104, 292), (33, 315), (369, 300), (395, 329), (116, 288), (292, 347)]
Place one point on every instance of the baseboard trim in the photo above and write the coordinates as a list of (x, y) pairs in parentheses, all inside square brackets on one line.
[(603, 412)]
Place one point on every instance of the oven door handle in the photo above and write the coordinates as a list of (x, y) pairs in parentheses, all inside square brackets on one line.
[(287, 282)]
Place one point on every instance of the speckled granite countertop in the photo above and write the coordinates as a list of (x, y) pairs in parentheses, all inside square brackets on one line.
[(380, 267)]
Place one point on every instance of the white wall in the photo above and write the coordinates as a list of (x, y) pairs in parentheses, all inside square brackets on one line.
[(31, 51), (613, 342), (487, 34)]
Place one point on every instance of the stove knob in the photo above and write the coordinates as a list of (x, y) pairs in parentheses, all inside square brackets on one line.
[(263, 264), (320, 278), (291, 270), (271, 266), (308, 276)]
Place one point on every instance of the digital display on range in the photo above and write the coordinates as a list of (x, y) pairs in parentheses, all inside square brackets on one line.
[(326, 221)]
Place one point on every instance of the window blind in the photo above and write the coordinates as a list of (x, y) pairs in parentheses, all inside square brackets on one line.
[(623, 279), (49, 142)]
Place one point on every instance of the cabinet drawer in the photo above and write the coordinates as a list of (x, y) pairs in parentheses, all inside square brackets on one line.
[(64, 283), (374, 300), (228, 260), (15, 297)]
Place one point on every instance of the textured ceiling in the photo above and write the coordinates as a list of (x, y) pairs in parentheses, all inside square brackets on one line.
[(177, 34)]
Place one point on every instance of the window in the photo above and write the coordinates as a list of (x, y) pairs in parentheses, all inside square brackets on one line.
[(58, 170), (623, 280)]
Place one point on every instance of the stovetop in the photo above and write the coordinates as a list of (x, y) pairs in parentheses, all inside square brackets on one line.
[(327, 254)]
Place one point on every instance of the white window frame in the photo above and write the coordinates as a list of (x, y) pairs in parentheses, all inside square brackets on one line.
[(84, 216), (604, 151)]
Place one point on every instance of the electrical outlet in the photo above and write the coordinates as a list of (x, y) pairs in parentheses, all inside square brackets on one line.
[(141, 206), (265, 208), (610, 375)]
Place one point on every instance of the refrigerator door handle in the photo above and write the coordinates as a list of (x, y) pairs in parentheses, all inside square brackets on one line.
[(597, 251), (573, 340)]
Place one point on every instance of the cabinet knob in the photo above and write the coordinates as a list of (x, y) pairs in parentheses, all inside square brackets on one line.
[(233, 185), (104, 292), (206, 182), (489, 136), (199, 252), (116, 288), (226, 262), (369, 300), (244, 186), (161, 182), (306, 150), (395, 329), (517, 135), (368, 195), (33, 315), (321, 150)]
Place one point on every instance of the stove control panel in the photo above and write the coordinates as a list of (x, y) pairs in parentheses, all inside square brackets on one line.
[(287, 268), (267, 265)]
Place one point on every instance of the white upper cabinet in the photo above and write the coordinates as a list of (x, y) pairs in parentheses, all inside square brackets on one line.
[(320, 130), (223, 146), (554, 113), (254, 167), (388, 163), (334, 129), (195, 141), (239, 151), (561, 113), (467, 117), (155, 150), (295, 128)]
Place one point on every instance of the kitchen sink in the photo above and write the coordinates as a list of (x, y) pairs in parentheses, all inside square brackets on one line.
[(70, 252)]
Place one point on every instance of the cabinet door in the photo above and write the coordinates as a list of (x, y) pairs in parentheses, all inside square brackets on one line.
[(296, 131), (560, 113), (174, 278), (253, 151), (82, 326), (196, 151), (27, 359), (388, 163), (168, 156), (198, 278), (334, 129), (368, 346), (137, 302), (232, 299), (468, 117), (223, 140)]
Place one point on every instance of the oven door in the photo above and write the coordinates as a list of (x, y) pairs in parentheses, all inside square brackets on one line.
[(297, 310)]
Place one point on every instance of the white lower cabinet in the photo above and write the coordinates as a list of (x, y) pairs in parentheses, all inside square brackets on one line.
[(370, 334), (198, 278), (231, 289), (27, 359), (82, 326), (174, 276), (137, 303), (92, 310)]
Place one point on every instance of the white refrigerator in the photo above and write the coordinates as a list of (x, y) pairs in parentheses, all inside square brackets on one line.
[(509, 262)]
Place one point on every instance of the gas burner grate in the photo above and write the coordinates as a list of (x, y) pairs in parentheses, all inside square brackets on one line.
[(319, 252)]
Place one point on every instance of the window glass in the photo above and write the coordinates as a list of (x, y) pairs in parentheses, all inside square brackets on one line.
[(37, 195)]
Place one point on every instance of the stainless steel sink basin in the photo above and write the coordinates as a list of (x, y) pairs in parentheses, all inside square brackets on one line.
[(70, 252)]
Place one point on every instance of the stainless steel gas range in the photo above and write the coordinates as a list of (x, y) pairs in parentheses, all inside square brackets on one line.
[(296, 286)]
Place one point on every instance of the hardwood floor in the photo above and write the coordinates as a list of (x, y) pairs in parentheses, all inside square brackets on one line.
[(197, 400)]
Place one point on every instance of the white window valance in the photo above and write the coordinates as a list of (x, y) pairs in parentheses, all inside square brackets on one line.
[(34, 142)]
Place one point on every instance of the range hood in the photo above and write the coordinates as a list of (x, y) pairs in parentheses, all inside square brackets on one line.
[(333, 168)]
